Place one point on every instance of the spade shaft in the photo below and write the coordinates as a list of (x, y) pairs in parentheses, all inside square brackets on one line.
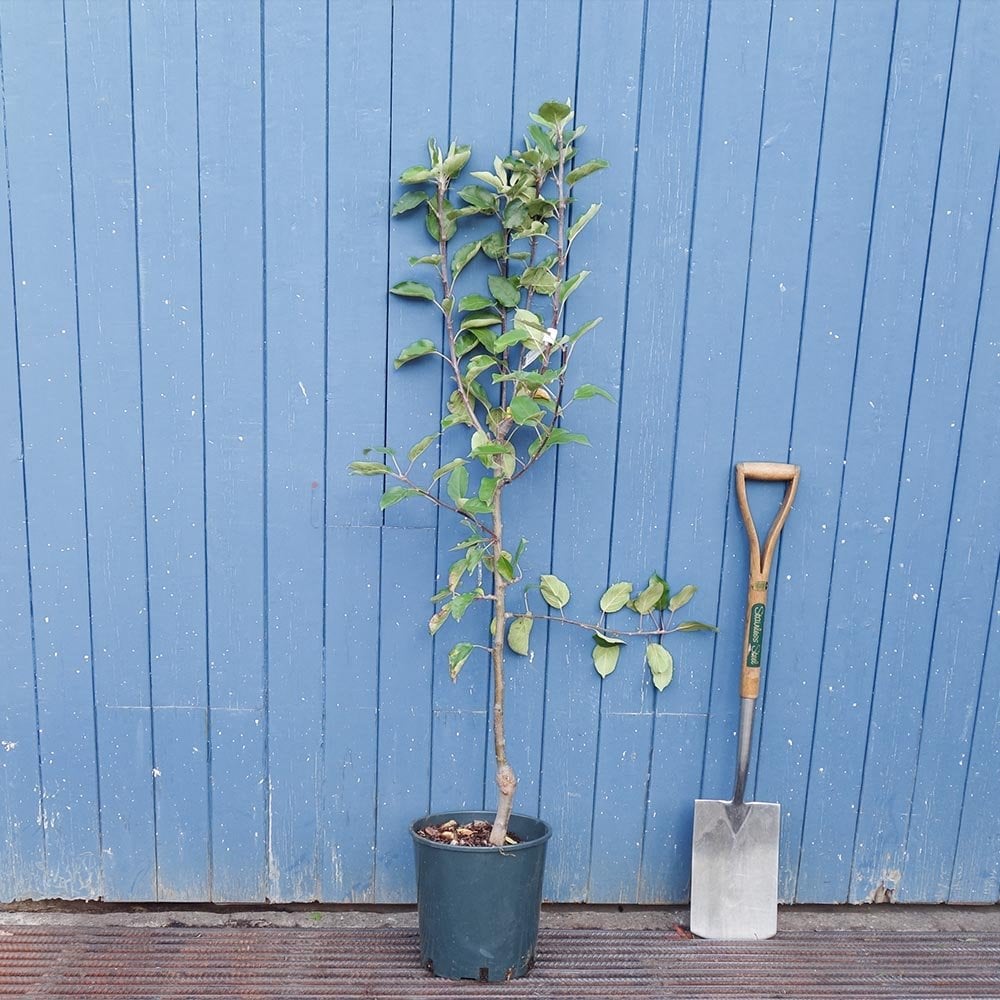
[(734, 862)]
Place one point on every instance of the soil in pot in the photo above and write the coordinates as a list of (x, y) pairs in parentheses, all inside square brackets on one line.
[(474, 834)]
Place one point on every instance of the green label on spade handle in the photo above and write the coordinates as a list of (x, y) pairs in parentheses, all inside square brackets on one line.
[(756, 637)]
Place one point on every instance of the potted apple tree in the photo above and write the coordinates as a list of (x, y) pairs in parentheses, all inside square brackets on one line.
[(508, 356)]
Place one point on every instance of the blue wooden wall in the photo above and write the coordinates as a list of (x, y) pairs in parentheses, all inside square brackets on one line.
[(215, 677)]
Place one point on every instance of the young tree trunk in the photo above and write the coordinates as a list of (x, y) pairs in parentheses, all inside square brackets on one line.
[(506, 779)]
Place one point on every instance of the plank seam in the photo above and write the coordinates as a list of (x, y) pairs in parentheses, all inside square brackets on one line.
[(142, 454), (83, 459), (24, 464), (209, 762)]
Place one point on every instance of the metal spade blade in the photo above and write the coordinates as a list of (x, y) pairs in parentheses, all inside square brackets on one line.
[(734, 871)]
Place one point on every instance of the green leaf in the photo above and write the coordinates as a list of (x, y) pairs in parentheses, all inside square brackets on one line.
[(526, 318), (455, 573), (560, 435), (413, 290), (394, 494), (457, 658), (456, 159), (479, 198), (577, 226), (519, 551), (415, 175), (661, 665), (505, 567), (464, 343), (607, 640), (446, 468), (479, 364), (478, 320), (487, 178), (616, 597), (588, 391), (438, 619), (519, 634), (474, 303), (379, 451), (510, 338), (696, 627), (524, 409), (661, 604), (585, 170), (540, 279), (369, 469), (544, 143), (487, 487), (421, 446), (434, 230), (418, 349), (554, 112), (605, 658), (464, 256), (570, 285), (682, 597), (646, 601), (586, 328), (409, 201), (462, 602), (472, 505), (494, 246), (434, 258), (554, 591), (504, 291), (458, 483), (532, 379)]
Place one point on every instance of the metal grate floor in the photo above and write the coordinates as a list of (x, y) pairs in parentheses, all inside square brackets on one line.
[(278, 963)]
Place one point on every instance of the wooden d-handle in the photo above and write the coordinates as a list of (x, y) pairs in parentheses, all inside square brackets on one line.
[(760, 560)]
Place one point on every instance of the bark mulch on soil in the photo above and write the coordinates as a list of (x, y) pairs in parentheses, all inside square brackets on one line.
[(475, 834)]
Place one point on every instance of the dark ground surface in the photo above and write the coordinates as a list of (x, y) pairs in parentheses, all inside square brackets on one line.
[(153, 952)]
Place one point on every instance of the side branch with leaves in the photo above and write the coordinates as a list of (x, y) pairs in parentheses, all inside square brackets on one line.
[(508, 356)]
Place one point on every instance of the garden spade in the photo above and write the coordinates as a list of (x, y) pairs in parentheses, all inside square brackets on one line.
[(734, 861)]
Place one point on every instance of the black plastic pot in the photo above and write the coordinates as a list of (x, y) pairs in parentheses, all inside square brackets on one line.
[(479, 906)]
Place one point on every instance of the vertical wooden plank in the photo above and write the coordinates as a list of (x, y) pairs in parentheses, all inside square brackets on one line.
[(41, 201), (608, 101), (947, 325), (22, 854), (295, 163), (915, 110), (357, 237), (731, 110), (544, 70), (670, 105), (164, 82), (848, 163), (100, 115), (794, 89), (462, 753), (976, 877), (420, 89), (958, 689), (229, 111)]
